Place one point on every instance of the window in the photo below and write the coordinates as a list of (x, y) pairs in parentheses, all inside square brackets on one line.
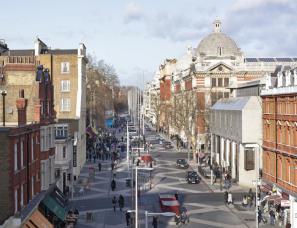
[(15, 157), (61, 132), (22, 195), (22, 153), (32, 148), (65, 67), (213, 82), (65, 86), (64, 151), (16, 200), (220, 82), (32, 185), (249, 159), (42, 171), (226, 82), (42, 139), (65, 104)]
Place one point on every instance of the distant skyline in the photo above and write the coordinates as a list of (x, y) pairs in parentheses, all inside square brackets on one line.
[(136, 36)]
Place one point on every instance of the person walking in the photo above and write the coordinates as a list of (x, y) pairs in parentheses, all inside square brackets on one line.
[(99, 166), (121, 202), (113, 185), (155, 222), (128, 218), (176, 196), (230, 199), (272, 217), (114, 203)]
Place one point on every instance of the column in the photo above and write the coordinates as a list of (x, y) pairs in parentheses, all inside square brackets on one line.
[(222, 151), (233, 150)]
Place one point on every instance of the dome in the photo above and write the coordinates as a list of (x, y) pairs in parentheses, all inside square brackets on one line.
[(217, 44)]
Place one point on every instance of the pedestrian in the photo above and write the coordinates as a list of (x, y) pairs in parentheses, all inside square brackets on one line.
[(176, 196), (128, 217), (113, 185), (112, 166), (114, 203), (230, 199), (272, 217), (226, 196), (99, 166), (94, 157), (244, 201), (155, 222), (121, 202)]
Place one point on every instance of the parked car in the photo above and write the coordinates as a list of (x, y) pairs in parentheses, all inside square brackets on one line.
[(192, 177), (205, 171), (182, 163)]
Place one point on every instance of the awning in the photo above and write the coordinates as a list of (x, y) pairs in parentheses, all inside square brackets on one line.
[(273, 198), (55, 207), (266, 188), (146, 158), (37, 220)]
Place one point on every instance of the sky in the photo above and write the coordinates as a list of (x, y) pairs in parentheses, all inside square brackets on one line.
[(136, 36)]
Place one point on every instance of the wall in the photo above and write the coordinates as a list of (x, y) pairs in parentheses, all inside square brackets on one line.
[(6, 203)]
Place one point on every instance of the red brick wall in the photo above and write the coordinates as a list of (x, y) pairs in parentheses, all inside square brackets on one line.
[(280, 140)]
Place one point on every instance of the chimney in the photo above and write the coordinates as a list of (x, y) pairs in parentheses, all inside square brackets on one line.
[(21, 104)]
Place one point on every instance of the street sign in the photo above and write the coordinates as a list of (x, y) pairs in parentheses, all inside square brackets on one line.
[(285, 203)]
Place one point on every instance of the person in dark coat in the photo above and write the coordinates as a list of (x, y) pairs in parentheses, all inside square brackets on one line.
[(113, 185), (155, 222), (99, 166), (128, 218)]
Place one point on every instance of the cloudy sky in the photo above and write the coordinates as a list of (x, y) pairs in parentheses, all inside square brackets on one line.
[(136, 36)]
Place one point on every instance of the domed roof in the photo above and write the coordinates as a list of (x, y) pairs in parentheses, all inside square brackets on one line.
[(217, 44)]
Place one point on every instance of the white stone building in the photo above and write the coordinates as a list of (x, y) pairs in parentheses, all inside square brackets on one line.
[(236, 133)]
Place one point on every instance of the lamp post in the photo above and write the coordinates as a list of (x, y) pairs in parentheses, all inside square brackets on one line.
[(136, 192), (3, 93), (166, 214), (128, 144)]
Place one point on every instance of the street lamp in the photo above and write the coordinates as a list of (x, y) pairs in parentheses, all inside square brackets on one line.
[(136, 192), (128, 145), (166, 214)]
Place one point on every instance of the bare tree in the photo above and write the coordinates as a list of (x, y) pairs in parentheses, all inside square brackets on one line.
[(185, 119)]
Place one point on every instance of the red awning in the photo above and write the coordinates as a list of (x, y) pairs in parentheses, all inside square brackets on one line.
[(266, 188), (146, 158), (274, 198)]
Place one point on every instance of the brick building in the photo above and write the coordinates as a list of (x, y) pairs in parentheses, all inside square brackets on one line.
[(280, 136), (27, 143), (206, 73)]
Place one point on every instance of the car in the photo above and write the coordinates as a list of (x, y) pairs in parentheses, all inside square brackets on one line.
[(182, 163), (192, 177)]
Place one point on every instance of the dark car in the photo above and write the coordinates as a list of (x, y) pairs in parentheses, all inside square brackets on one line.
[(192, 177), (182, 163)]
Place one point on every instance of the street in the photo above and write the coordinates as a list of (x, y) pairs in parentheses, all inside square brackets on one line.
[(205, 206)]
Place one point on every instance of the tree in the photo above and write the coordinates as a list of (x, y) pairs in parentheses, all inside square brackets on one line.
[(185, 116)]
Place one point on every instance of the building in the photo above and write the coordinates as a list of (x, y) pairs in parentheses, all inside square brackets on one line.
[(27, 141), (152, 101), (235, 142), (280, 137), (203, 76), (64, 158), (68, 72)]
